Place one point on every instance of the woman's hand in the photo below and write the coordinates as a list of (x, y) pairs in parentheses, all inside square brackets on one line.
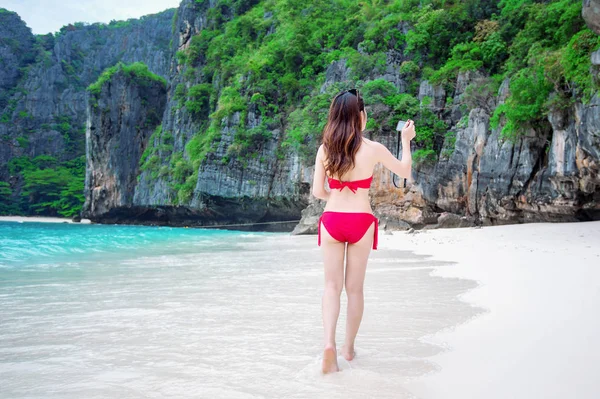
[(408, 131)]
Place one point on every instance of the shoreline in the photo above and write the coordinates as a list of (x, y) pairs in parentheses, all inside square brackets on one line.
[(245, 227), (43, 219)]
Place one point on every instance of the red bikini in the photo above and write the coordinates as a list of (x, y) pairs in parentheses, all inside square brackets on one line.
[(348, 226)]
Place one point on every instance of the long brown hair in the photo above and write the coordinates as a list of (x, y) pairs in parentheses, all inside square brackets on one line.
[(342, 135)]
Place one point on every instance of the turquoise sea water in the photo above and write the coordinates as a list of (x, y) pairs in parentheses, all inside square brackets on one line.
[(29, 245), (116, 311)]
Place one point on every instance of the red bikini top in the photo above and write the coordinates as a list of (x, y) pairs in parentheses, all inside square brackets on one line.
[(352, 185)]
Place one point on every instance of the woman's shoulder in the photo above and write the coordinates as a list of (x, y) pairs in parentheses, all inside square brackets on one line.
[(321, 151), (375, 145)]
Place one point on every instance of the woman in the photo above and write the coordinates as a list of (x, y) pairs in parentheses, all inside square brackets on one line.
[(347, 160)]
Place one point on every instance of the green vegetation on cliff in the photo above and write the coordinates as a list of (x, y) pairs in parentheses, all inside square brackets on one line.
[(266, 61), (7, 207), (280, 50), (42, 99), (47, 186), (137, 71), (50, 187), (548, 50)]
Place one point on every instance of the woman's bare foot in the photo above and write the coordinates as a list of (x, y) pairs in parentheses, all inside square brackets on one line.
[(330, 364), (348, 352)]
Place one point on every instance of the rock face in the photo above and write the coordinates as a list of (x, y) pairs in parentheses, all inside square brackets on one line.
[(591, 14), (252, 192), (16, 50), (120, 121), (52, 89), (16, 53), (550, 174), (310, 217), (536, 178)]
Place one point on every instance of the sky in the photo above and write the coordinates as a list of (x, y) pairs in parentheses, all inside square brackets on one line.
[(44, 16)]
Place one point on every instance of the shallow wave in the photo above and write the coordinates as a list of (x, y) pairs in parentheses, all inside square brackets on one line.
[(31, 243), (209, 314)]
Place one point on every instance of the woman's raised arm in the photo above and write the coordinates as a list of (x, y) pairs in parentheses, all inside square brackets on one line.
[(402, 168)]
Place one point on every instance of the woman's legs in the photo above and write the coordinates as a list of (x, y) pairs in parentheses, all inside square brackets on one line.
[(333, 261), (356, 266)]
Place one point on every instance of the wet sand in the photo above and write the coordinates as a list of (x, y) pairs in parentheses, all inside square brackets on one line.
[(237, 319)]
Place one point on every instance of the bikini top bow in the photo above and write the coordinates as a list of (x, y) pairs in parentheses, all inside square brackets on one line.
[(336, 184), (352, 185)]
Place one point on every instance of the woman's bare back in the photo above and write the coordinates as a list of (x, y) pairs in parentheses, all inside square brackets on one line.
[(346, 200), (368, 155)]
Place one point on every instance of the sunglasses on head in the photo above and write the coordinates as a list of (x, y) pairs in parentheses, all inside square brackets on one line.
[(351, 91)]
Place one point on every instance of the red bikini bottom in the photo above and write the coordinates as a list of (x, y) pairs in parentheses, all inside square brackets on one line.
[(348, 226)]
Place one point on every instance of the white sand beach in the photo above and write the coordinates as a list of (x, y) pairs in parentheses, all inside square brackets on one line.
[(538, 338), (44, 219)]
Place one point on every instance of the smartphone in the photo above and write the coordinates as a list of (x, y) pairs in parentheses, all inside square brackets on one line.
[(399, 128)]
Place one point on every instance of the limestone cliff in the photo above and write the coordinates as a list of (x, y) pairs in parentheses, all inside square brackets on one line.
[(16, 51), (547, 175), (591, 14), (550, 174), (266, 187), (121, 119), (43, 80), (185, 153)]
